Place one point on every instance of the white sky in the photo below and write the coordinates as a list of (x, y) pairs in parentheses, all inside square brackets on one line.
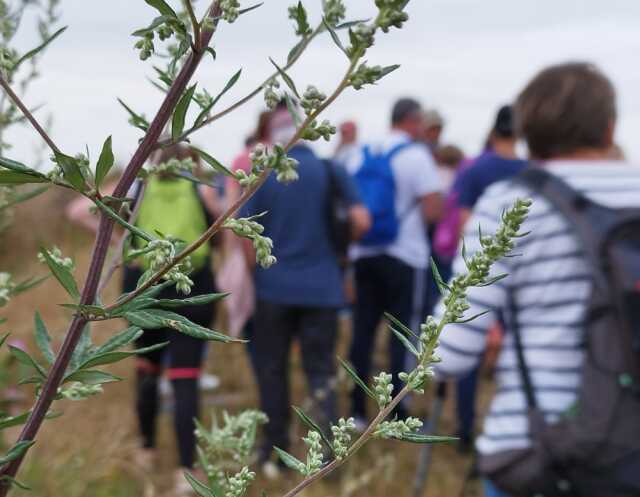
[(464, 57)]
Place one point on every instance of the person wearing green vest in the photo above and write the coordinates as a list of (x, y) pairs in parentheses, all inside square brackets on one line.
[(177, 208)]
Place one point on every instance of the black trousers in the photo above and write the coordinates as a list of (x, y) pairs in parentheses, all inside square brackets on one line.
[(276, 326), (383, 284), (183, 358)]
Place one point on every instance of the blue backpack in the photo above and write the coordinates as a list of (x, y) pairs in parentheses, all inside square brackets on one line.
[(377, 187)]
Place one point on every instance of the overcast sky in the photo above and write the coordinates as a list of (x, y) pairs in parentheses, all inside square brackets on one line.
[(464, 57)]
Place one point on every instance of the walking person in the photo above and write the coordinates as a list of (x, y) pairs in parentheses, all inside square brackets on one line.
[(400, 185), (298, 298), (175, 207), (562, 421)]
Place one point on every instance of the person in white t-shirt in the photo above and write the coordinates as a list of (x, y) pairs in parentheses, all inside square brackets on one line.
[(390, 277)]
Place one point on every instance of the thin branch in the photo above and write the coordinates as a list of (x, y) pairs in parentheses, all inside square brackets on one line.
[(246, 195), (27, 113), (194, 22)]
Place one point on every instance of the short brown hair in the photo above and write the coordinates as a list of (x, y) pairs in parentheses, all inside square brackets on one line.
[(566, 108)]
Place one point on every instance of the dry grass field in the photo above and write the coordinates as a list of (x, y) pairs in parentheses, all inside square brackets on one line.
[(87, 452)]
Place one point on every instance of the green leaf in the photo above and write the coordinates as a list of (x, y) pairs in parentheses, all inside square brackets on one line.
[(302, 20), (213, 162), (293, 112), (111, 357), (71, 171), (230, 84), (16, 178), (62, 274), (42, 46), (493, 280), (120, 340), (43, 340), (130, 227), (16, 451), (334, 37), (24, 358), (24, 196), (27, 284), (92, 377), (442, 286), (105, 162), (82, 350), (197, 300), (162, 7), (157, 22), (286, 78), (350, 24), (312, 425), (425, 439), (388, 70), (151, 319), (86, 310), (136, 119), (180, 114), (296, 50), (289, 460), (357, 379), (472, 318), (198, 487), (400, 326), (13, 482), (405, 341), (10, 421), (211, 51), (249, 9), (17, 166), (5, 336)]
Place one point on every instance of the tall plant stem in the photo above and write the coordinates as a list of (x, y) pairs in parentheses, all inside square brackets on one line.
[(105, 231)]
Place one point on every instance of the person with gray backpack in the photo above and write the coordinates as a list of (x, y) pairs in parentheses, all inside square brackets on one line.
[(565, 418)]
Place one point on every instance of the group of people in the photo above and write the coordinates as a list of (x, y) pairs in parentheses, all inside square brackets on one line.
[(405, 199)]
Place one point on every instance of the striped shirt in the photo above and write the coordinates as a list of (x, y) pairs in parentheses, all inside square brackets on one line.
[(549, 283)]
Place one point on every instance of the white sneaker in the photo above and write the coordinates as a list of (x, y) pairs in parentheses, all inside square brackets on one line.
[(270, 470), (361, 424), (209, 382)]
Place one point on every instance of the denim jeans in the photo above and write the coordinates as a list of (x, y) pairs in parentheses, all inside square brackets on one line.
[(491, 491)]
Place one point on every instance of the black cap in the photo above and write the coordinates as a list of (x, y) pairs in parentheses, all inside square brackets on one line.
[(503, 126), (403, 108)]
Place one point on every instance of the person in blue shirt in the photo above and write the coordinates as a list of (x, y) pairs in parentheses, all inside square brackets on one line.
[(498, 162), (298, 298)]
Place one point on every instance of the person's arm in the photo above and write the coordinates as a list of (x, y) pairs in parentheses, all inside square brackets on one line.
[(432, 206), (360, 221), (465, 214), (78, 211), (425, 182), (359, 216), (212, 200)]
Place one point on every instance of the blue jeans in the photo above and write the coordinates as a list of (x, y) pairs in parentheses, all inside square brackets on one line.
[(491, 491)]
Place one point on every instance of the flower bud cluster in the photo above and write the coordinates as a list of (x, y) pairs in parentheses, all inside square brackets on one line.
[(418, 377), (342, 436), (6, 287), (204, 99), (178, 274), (334, 11), (271, 97), (159, 254), (238, 484), (170, 27), (8, 59), (316, 131), (383, 388), (312, 99), (365, 75), (396, 429), (80, 391), (56, 255), (230, 10), (391, 14), (172, 166), (252, 230), (362, 37), (145, 45), (314, 454), (262, 159)]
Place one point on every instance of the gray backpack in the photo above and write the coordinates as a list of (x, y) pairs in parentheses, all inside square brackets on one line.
[(594, 450)]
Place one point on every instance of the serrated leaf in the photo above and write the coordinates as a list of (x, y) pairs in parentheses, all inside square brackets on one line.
[(197, 300), (289, 460), (24, 358), (393, 321), (425, 439), (120, 340), (92, 377), (32, 53), (334, 37), (105, 162), (285, 77), (71, 170), (303, 28), (357, 379), (198, 487), (230, 84), (10, 421), (16, 178), (158, 318), (180, 113), (312, 425), (62, 274), (43, 340), (162, 7), (16, 451), (213, 162)]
